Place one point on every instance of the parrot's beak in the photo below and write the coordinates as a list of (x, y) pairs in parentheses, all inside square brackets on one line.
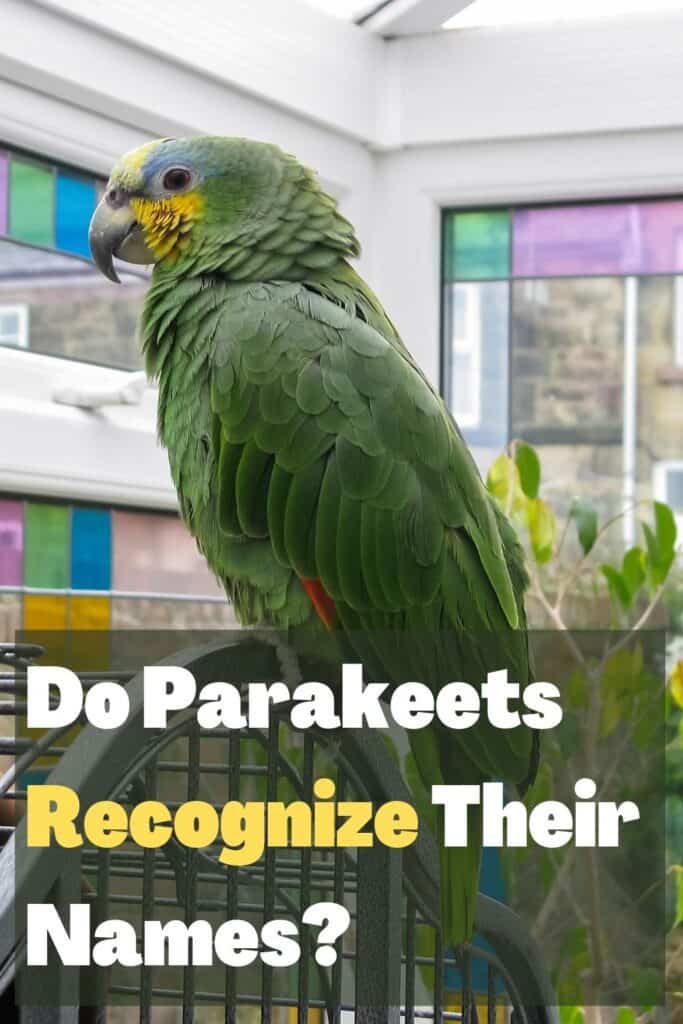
[(114, 231)]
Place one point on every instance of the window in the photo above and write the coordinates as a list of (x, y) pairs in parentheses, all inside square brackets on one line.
[(72, 566), (14, 326), (546, 310), (45, 268), (466, 355)]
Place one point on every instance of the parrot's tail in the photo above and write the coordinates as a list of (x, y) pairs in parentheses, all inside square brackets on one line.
[(460, 867)]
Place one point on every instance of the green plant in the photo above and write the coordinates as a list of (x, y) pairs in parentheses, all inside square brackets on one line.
[(612, 703)]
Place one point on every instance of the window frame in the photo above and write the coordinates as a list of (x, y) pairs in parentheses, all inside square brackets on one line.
[(448, 208), (678, 321)]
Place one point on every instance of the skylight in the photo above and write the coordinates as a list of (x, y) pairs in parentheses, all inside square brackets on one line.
[(521, 12)]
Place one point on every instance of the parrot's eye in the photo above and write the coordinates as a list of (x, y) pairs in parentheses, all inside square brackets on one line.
[(176, 179)]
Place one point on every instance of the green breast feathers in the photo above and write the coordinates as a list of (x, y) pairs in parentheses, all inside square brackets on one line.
[(305, 444)]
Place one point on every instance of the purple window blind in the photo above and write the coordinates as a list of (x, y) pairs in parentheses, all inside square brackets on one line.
[(602, 238)]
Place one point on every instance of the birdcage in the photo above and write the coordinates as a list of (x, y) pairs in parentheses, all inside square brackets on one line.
[(390, 963)]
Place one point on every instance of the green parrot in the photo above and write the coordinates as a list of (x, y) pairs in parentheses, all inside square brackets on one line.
[(319, 471)]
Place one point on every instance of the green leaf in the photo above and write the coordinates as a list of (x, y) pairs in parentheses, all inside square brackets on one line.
[(576, 689), (633, 570), (571, 1015), (646, 986), (617, 585), (542, 529), (665, 528), (625, 1015), (678, 872), (610, 713), (586, 519), (661, 543), (503, 483), (529, 469), (676, 683)]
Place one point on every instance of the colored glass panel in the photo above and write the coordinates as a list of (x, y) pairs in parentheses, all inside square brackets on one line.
[(90, 613), (76, 200), (45, 612), (31, 203), (477, 245), (599, 238), (46, 560), (90, 549), (4, 175), (156, 554), (11, 543)]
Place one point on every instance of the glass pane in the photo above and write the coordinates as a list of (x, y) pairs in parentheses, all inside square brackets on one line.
[(90, 549), (31, 203), (75, 205), (45, 612), (11, 543), (10, 617), (660, 387), (72, 310), (476, 360), (156, 554), (142, 613), (477, 245), (47, 547), (599, 238), (567, 382), (4, 174), (90, 613)]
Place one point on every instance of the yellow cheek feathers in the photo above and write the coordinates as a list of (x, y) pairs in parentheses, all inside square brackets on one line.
[(167, 223)]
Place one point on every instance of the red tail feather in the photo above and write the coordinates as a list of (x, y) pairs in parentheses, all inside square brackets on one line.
[(322, 602)]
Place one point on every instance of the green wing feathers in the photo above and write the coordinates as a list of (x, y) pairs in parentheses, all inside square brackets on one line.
[(338, 462)]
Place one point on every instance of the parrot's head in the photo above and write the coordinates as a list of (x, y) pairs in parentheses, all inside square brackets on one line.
[(183, 202)]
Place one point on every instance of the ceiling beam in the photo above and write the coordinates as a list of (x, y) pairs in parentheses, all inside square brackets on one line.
[(411, 17)]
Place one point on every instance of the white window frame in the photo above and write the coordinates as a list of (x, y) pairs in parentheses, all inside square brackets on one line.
[(660, 472), (21, 313), (469, 344), (678, 321)]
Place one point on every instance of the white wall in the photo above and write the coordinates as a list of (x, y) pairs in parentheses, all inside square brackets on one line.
[(602, 75)]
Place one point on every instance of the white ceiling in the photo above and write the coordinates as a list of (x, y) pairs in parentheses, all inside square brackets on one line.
[(506, 12), (393, 17), (350, 10)]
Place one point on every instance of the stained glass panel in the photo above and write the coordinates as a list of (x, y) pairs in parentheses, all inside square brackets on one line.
[(4, 176), (599, 238), (90, 549), (155, 553), (477, 245), (90, 613), (31, 203), (75, 204), (47, 546), (45, 612), (11, 543)]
